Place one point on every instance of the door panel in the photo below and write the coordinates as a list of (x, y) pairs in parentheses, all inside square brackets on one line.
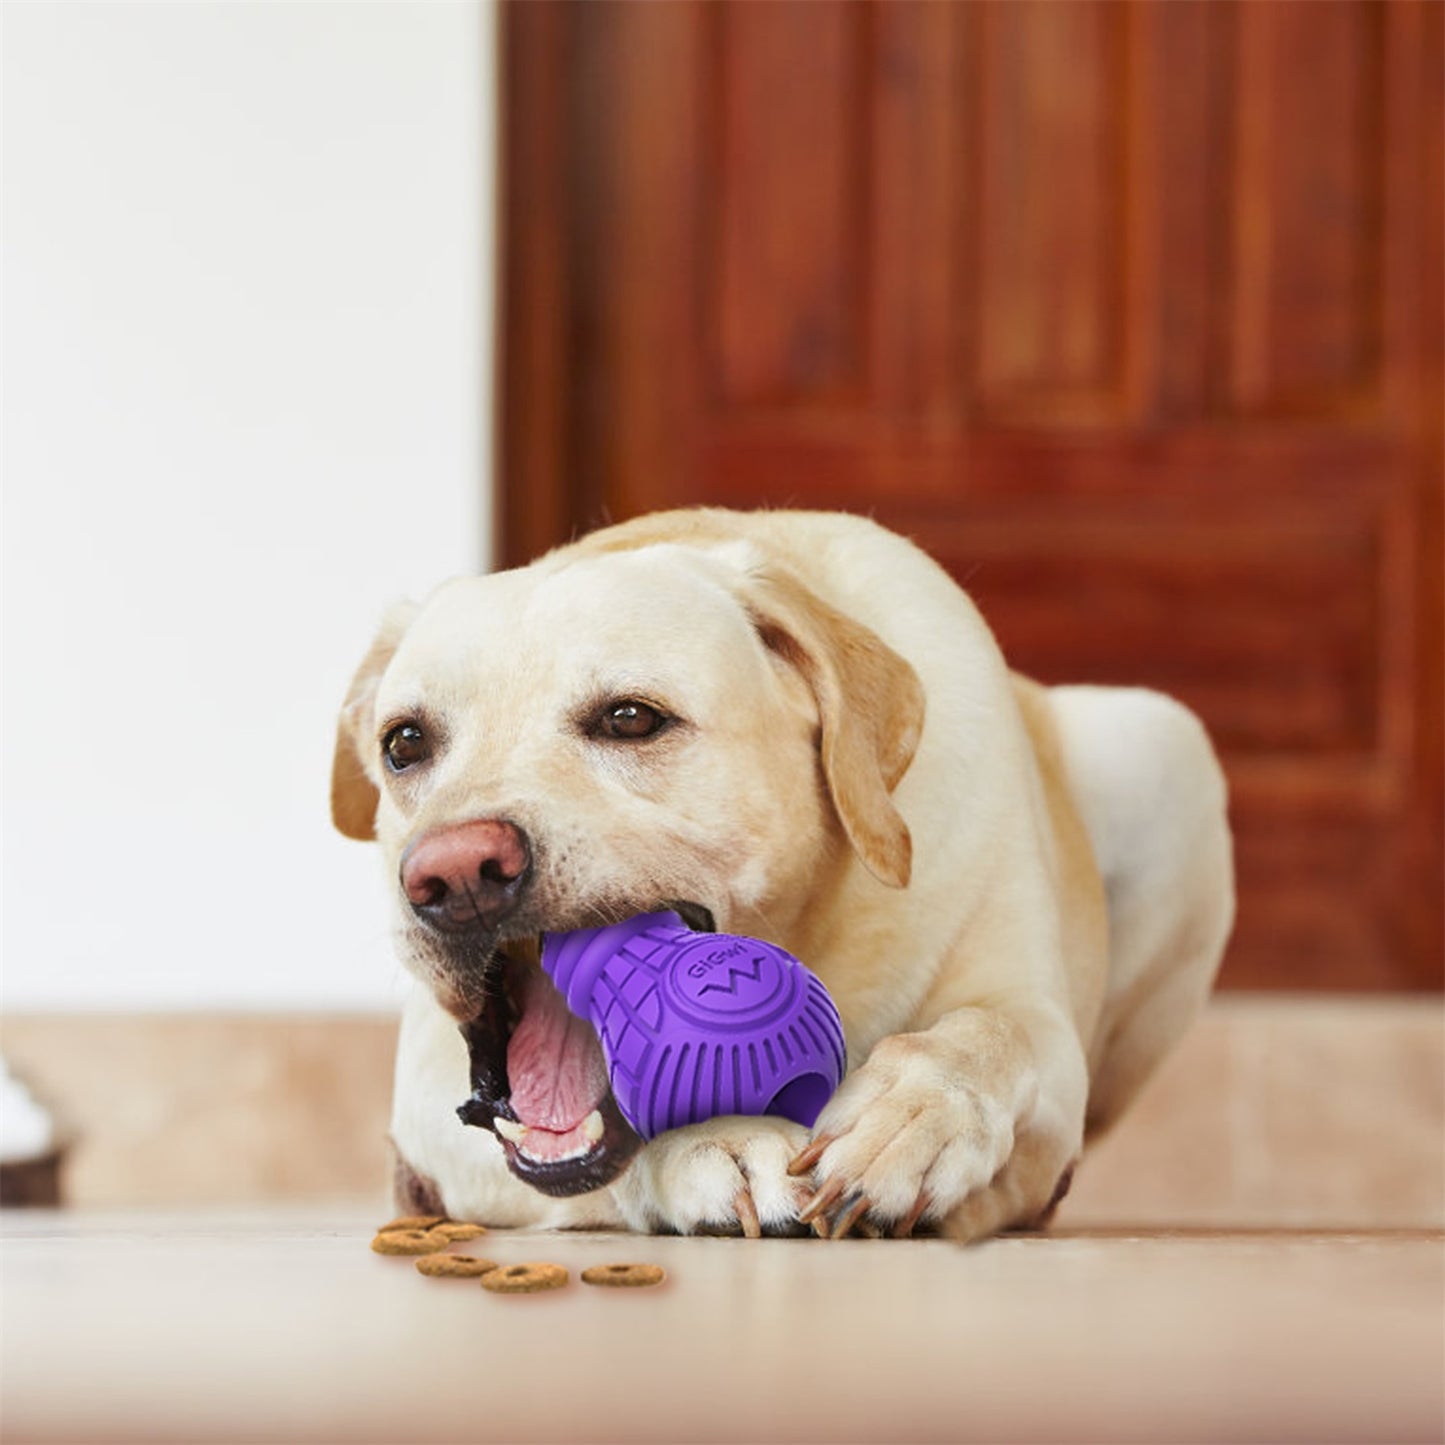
[(1049, 205), (1129, 314)]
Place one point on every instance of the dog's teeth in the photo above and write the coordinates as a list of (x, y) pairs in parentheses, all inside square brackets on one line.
[(510, 1129), (592, 1126)]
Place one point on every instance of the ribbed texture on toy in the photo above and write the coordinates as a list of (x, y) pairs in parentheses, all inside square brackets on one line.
[(694, 1025)]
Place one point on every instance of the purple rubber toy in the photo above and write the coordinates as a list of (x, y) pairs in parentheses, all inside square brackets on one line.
[(698, 1024)]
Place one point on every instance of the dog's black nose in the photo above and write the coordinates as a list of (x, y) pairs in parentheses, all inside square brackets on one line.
[(467, 875)]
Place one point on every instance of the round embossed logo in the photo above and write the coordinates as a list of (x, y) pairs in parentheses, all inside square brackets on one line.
[(721, 981)]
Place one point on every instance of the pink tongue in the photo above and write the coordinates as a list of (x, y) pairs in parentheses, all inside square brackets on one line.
[(554, 1062)]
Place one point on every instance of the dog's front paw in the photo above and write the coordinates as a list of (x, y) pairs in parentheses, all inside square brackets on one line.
[(905, 1138), (726, 1175)]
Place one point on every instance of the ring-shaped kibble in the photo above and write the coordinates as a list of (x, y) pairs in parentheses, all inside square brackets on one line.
[(524, 1278), (455, 1266), (624, 1276), (407, 1241)]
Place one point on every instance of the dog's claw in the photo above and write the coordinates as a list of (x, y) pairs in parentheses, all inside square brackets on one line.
[(810, 1156), (856, 1207), (747, 1213), (909, 1222), (820, 1227), (821, 1201)]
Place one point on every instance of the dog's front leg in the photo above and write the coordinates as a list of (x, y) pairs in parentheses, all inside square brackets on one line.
[(972, 1124)]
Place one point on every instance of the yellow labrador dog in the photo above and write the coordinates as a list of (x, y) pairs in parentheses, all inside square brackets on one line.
[(794, 726)]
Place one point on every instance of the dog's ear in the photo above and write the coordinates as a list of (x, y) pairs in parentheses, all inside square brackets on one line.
[(870, 709), (353, 793)]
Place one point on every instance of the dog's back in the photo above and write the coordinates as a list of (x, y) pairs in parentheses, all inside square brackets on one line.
[(1150, 793)]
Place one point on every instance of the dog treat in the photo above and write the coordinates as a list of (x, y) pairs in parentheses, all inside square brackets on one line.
[(408, 1241), (624, 1276), (413, 1222), (455, 1266), (659, 994), (524, 1278), (454, 1231)]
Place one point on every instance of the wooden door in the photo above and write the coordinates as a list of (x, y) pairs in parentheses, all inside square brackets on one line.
[(1128, 313)]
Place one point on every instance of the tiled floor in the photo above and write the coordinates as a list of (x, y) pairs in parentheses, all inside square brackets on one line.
[(284, 1326)]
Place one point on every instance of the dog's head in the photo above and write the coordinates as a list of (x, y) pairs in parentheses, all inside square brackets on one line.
[(605, 733)]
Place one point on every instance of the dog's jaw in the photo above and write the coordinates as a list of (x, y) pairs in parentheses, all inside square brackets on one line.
[(592, 1150), (524, 1021)]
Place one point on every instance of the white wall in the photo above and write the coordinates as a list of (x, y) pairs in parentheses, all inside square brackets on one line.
[(247, 266)]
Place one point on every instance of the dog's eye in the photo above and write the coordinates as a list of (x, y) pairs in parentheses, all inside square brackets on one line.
[(629, 721), (404, 746)]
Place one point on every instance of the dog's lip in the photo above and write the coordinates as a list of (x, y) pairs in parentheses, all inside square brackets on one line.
[(698, 916), (580, 1173), (522, 938)]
